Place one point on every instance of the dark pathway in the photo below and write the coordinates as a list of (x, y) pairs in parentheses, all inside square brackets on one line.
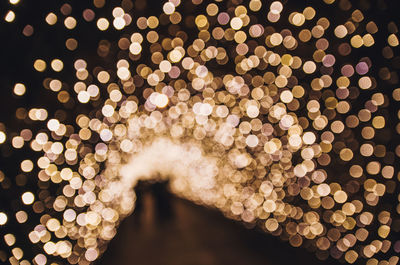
[(182, 233)]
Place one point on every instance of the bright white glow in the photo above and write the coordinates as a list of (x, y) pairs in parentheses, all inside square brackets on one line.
[(3, 218), (165, 158), (28, 198), (184, 164)]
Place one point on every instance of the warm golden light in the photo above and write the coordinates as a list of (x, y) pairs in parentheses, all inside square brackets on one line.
[(276, 115)]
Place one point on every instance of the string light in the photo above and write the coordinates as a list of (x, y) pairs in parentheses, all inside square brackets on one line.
[(275, 118)]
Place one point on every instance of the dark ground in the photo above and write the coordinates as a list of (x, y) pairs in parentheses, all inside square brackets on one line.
[(171, 231)]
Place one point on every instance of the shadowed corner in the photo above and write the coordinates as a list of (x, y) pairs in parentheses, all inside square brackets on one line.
[(165, 229)]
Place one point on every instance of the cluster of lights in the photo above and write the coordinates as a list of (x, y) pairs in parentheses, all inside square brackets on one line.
[(245, 107)]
